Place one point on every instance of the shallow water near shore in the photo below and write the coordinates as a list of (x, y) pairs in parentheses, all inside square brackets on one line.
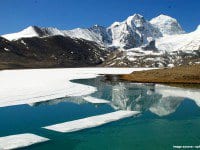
[(169, 116)]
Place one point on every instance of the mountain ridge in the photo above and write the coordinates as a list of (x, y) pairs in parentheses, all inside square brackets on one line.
[(134, 31), (134, 42)]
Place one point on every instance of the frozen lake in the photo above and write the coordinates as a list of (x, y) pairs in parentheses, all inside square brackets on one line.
[(120, 115)]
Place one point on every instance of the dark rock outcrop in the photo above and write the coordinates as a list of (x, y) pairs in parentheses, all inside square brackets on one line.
[(54, 51)]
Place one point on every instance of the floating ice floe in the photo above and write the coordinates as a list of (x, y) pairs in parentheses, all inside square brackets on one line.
[(90, 122), (20, 141), (95, 100)]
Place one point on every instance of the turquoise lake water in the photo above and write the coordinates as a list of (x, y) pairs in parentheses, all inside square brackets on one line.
[(165, 120)]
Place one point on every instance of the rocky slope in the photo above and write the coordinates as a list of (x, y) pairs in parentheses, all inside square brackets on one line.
[(54, 51)]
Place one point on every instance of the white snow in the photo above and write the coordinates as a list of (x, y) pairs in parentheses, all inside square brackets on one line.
[(90, 122), (167, 25), (22, 41), (95, 100), (20, 141), (170, 65), (50, 31), (198, 28), (132, 58), (35, 85), (140, 52), (190, 41), (84, 34), (6, 49), (134, 31), (26, 33)]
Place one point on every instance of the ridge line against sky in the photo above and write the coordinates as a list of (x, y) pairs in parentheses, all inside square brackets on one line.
[(68, 14)]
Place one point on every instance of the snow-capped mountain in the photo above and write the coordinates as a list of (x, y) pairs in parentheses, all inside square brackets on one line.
[(26, 33), (96, 33), (167, 25), (137, 42), (134, 31), (33, 31)]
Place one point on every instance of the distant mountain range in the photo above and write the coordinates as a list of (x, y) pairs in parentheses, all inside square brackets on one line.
[(133, 42)]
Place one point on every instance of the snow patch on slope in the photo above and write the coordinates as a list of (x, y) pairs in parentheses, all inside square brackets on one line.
[(190, 41), (83, 34)]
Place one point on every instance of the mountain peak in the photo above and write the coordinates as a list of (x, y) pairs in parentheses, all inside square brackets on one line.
[(32, 27), (135, 17), (96, 26), (198, 28), (163, 16), (114, 24), (167, 25), (132, 32), (136, 20), (30, 31)]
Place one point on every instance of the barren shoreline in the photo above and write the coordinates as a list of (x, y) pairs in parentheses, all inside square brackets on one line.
[(182, 74)]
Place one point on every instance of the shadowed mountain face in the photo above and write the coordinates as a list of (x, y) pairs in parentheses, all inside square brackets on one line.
[(54, 51)]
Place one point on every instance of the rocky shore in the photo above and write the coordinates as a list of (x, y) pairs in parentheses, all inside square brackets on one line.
[(183, 74)]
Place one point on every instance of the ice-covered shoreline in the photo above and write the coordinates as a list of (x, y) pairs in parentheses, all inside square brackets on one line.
[(35, 85)]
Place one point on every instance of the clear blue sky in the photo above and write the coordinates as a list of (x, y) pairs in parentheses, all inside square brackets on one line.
[(68, 14)]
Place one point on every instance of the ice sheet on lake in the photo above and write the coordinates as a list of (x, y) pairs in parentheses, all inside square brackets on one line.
[(95, 100), (72, 89), (90, 122), (20, 140), (36, 85)]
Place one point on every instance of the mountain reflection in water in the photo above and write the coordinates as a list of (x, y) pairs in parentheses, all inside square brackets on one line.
[(159, 99)]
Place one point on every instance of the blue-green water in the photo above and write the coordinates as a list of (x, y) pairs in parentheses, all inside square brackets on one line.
[(164, 120)]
